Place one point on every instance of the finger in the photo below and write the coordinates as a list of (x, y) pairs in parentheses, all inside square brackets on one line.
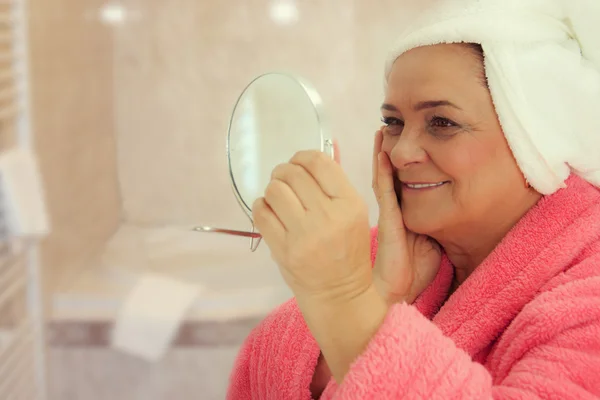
[(378, 140), (327, 173), (391, 225), (435, 245), (284, 203), (336, 152), (267, 223), (304, 186)]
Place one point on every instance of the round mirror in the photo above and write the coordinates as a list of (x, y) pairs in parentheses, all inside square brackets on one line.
[(276, 116)]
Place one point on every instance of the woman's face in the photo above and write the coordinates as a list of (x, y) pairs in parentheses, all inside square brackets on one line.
[(442, 131)]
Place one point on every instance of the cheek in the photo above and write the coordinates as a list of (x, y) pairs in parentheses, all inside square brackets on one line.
[(464, 159), (483, 171)]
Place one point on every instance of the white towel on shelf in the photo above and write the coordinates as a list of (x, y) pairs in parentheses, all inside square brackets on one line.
[(151, 315), (542, 61)]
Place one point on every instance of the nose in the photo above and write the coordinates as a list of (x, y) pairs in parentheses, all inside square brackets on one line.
[(408, 151)]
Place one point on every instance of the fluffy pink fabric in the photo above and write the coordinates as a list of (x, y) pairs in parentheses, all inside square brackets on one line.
[(525, 324)]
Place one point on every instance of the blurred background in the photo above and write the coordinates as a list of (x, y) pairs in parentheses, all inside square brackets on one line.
[(124, 106)]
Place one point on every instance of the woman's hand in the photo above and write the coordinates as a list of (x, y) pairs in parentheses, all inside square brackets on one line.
[(406, 262), (317, 228)]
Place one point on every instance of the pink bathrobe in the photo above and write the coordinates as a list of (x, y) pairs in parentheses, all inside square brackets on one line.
[(524, 325)]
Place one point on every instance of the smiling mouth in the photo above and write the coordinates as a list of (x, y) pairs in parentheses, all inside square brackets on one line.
[(423, 186)]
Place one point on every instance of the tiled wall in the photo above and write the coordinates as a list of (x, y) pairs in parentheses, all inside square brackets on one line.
[(180, 65), (73, 127)]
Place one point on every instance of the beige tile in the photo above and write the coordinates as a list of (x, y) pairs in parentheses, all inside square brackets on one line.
[(73, 126)]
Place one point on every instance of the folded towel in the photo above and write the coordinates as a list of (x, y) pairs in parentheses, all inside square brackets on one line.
[(542, 61)]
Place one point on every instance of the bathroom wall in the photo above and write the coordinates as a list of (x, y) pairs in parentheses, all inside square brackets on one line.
[(73, 126), (138, 110), (180, 65), (134, 115)]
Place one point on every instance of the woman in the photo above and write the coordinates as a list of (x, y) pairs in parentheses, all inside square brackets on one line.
[(487, 271)]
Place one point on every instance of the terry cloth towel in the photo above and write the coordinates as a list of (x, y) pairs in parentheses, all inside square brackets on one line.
[(542, 61), (525, 324)]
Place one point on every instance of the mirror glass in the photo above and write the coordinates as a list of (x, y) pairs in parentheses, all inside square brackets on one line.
[(276, 116)]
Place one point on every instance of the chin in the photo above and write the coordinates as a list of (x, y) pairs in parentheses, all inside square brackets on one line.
[(421, 222)]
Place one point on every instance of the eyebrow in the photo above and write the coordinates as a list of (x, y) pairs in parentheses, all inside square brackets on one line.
[(423, 105)]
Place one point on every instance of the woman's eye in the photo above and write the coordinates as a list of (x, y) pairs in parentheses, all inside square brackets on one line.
[(391, 121), (394, 126), (441, 122)]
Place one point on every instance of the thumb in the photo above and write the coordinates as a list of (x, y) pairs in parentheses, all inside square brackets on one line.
[(391, 225)]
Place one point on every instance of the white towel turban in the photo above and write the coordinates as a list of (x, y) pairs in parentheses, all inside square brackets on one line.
[(542, 61)]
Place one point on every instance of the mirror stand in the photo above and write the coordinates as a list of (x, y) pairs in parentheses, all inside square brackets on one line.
[(253, 235)]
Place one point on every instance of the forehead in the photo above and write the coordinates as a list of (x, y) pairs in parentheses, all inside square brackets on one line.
[(431, 70)]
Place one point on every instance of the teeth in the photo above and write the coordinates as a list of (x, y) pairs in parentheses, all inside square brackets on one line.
[(424, 185)]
